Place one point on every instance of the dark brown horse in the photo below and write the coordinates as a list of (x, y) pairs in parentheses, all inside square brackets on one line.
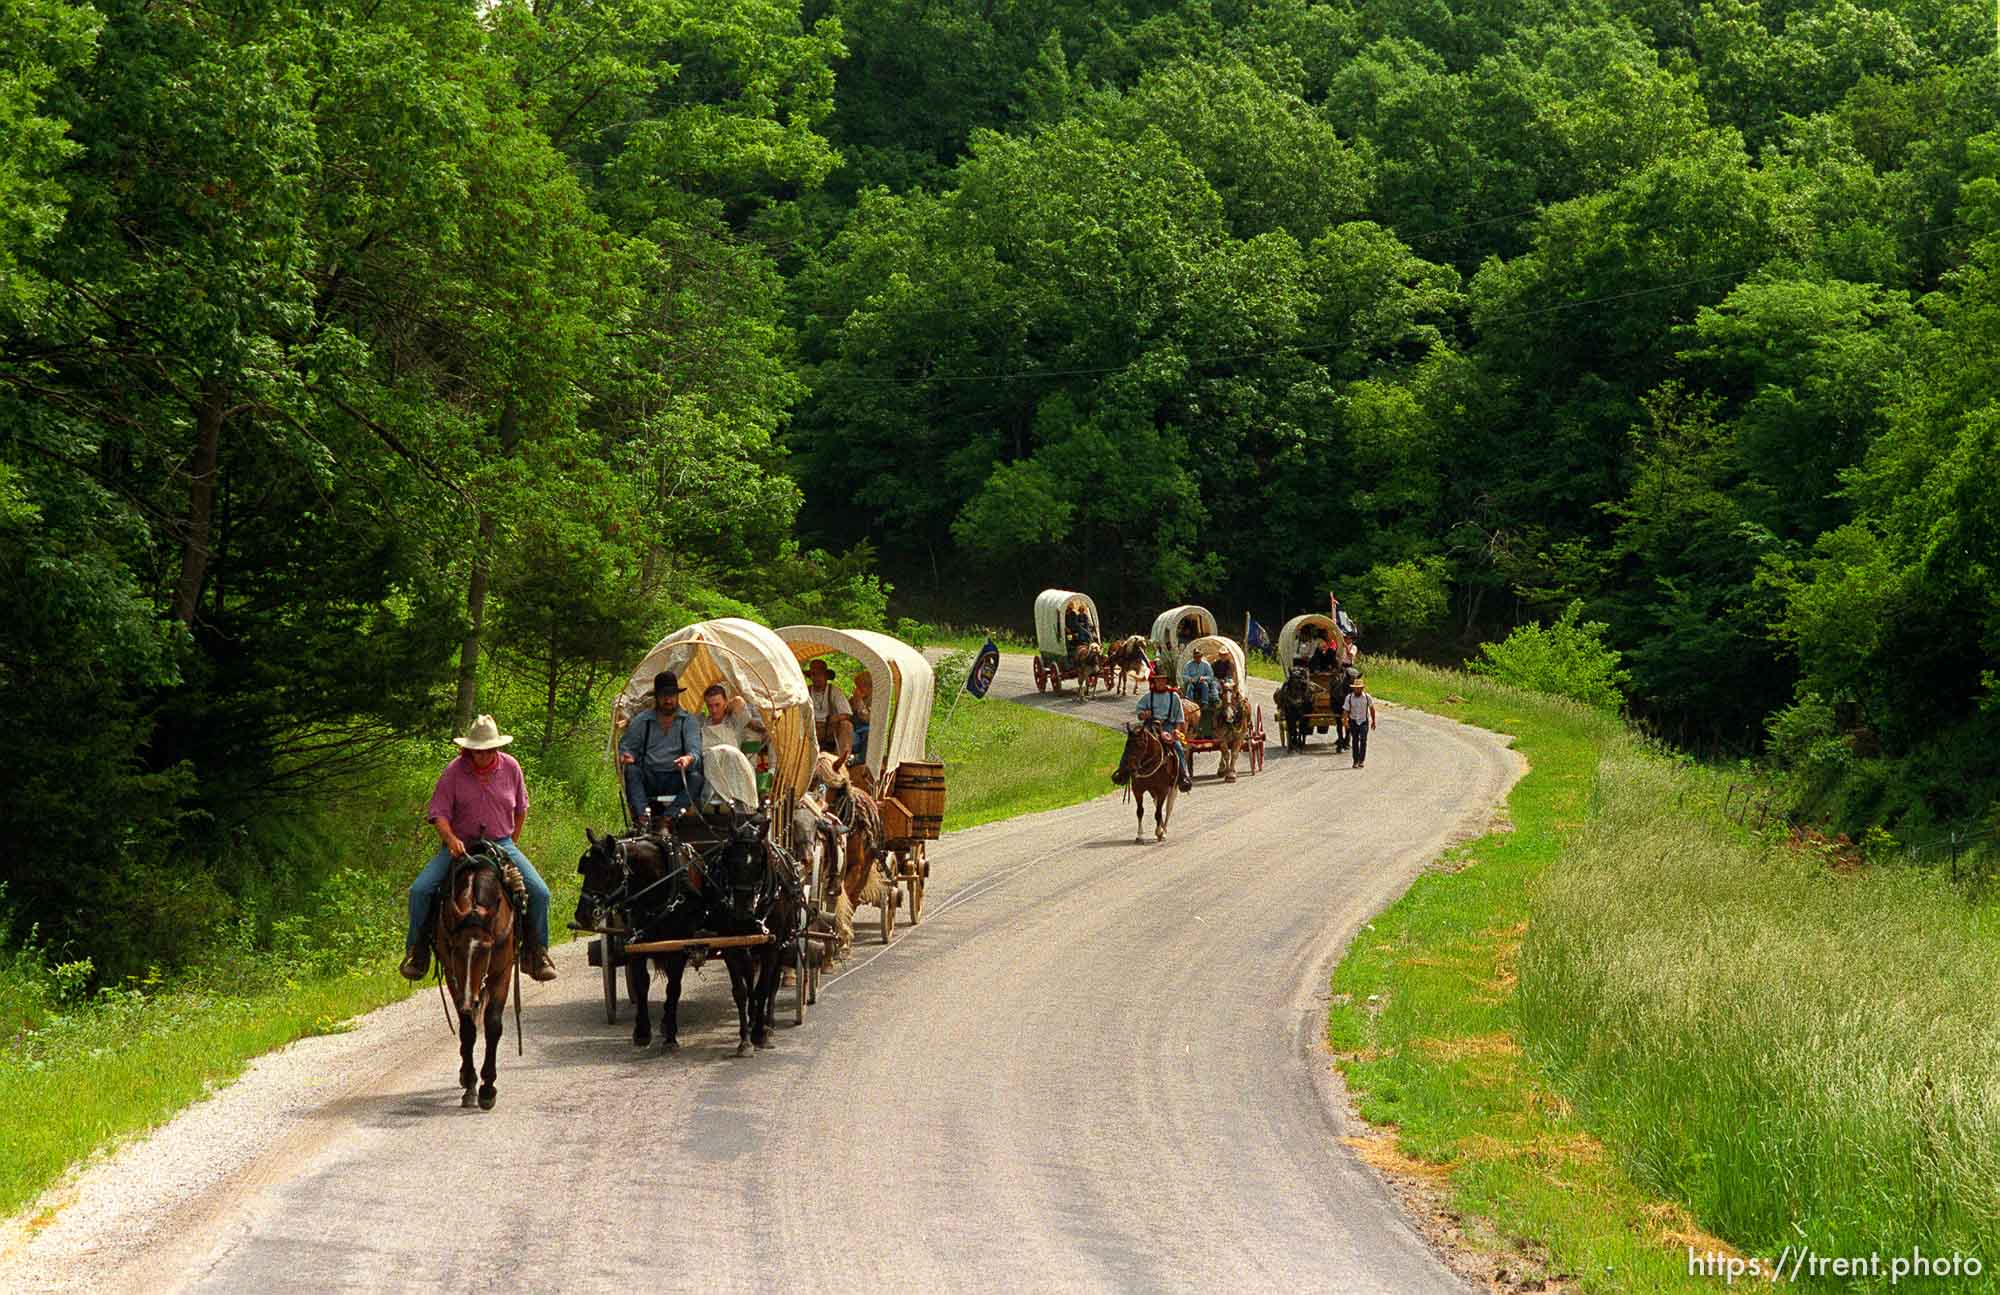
[(647, 878), (1149, 765), (473, 935), (716, 876)]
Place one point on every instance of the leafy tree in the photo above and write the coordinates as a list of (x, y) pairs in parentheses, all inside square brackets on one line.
[(1404, 599), (1566, 658)]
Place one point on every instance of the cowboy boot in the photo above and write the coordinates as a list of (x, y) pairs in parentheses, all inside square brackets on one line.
[(540, 965), (416, 962)]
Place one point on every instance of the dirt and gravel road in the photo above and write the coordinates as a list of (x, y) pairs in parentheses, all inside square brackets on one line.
[(1095, 1066)]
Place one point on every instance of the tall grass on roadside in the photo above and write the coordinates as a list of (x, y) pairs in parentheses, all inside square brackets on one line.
[(1800, 1054)]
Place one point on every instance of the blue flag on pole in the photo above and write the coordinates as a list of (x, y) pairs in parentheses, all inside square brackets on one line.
[(1259, 637), (984, 666)]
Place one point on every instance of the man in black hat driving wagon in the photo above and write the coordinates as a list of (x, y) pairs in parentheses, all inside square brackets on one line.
[(661, 751)]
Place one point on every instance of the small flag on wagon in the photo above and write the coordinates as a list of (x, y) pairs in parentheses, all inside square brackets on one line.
[(984, 667)]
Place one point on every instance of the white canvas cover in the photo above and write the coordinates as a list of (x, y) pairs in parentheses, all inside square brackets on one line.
[(905, 687), (1288, 638), (1049, 606), (1166, 627), (752, 662), (1214, 645)]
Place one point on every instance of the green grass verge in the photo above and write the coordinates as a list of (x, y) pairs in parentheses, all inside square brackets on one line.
[(1628, 1025), (1003, 759), (81, 1074), (129, 1064), (1799, 1047), (1425, 1025)]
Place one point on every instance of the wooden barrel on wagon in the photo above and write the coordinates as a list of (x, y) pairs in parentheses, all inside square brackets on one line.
[(920, 787)]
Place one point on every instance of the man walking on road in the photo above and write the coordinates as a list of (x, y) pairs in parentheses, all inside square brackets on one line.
[(1360, 711)]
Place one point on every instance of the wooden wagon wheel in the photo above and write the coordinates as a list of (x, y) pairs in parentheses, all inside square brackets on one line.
[(1041, 676), (920, 868), (1257, 743), (609, 947)]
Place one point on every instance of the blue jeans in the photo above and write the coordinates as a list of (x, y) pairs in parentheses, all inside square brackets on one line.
[(1203, 691), (431, 880), (642, 785)]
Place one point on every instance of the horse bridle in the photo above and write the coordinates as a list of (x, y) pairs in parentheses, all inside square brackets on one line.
[(1152, 726)]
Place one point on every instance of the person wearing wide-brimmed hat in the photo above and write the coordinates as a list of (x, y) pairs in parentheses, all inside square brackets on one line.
[(481, 795), (1359, 708), (661, 751)]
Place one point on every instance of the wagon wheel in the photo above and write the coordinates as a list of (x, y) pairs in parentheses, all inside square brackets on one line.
[(1041, 676), (1257, 743), (802, 987), (919, 870), (889, 902), (608, 952)]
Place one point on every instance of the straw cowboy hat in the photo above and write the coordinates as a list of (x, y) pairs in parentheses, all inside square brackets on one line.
[(484, 735), (1356, 684)]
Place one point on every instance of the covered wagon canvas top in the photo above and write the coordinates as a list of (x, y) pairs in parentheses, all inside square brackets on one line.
[(1049, 606), (752, 662), (1214, 645), (1288, 638), (905, 687), (1166, 626)]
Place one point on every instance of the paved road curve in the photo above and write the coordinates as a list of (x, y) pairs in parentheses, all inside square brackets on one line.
[(1095, 1066)]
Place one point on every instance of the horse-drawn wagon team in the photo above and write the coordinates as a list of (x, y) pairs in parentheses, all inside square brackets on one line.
[(761, 818)]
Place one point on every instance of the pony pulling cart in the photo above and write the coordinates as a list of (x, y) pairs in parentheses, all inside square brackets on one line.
[(890, 775), (724, 878), (1069, 643), (1228, 726)]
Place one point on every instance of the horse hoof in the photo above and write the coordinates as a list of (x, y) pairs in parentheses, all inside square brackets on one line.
[(743, 1047), (466, 1101), (761, 1042), (1230, 778), (670, 1045), (486, 1100), (642, 1040)]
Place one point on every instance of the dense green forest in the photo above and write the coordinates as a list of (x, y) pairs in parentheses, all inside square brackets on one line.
[(356, 356)]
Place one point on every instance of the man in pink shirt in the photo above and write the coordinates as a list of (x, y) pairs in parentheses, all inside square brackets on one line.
[(481, 795)]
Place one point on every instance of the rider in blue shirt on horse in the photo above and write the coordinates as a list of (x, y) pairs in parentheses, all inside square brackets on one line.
[(1163, 706)]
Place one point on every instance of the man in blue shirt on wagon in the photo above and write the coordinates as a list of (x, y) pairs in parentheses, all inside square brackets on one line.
[(661, 751)]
